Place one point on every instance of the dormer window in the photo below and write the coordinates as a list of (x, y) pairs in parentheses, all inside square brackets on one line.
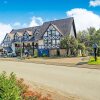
[(16, 37), (7, 39), (26, 36)]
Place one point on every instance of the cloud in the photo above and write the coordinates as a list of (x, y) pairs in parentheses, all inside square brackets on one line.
[(36, 21), (4, 28), (17, 24), (24, 25), (84, 18), (95, 3)]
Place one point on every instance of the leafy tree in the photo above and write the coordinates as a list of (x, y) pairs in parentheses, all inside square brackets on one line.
[(91, 30), (88, 38), (85, 40), (69, 43), (81, 46)]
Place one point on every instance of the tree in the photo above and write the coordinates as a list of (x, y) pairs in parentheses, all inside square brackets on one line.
[(88, 38), (69, 43), (83, 37), (91, 30), (95, 38), (81, 46)]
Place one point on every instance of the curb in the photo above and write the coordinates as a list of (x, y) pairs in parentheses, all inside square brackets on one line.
[(77, 65)]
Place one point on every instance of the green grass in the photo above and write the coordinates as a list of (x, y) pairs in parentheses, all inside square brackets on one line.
[(93, 62)]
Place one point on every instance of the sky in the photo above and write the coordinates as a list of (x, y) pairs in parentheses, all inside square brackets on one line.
[(15, 14)]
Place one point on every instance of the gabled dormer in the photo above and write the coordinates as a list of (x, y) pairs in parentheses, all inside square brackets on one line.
[(26, 36), (7, 40), (52, 37), (52, 30), (16, 37)]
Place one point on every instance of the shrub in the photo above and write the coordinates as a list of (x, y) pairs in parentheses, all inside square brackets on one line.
[(35, 53), (15, 89), (8, 88), (98, 51), (44, 55)]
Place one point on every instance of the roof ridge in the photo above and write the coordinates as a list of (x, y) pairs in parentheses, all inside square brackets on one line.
[(60, 19), (42, 24)]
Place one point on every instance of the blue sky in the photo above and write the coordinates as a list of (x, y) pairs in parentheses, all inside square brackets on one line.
[(22, 10), (25, 13)]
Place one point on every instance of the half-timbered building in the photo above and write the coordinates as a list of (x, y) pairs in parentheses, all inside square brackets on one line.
[(44, 37)]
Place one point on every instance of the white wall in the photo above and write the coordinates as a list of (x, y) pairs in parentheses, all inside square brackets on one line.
[(13, 47), (40, 42), (72, 31)]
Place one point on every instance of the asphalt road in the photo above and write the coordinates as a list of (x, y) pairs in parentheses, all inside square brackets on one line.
[(82, 82)]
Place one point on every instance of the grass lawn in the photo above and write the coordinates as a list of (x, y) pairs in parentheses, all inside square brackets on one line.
[(93, 62)]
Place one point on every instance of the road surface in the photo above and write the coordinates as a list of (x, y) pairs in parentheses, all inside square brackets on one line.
[(82, 82)]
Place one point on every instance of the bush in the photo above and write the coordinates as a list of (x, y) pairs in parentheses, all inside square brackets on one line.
[(44, 55), (35, 53), (15, 89), (8, 88), (98, 51)]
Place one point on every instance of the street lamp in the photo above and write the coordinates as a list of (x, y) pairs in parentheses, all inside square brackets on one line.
[(95, 46)]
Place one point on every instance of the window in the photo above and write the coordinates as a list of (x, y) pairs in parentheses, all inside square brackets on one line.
[(8, 38), (51, 38), (53, 33), (49, 33), (53, 42), (26, 37), (16, 37), (58, 41), (46, 41), (57, 33), (49, 42)]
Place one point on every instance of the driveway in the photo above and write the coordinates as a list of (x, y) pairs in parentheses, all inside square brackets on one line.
[(81, 82)]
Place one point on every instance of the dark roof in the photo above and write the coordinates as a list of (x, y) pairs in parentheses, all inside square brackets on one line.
[(33, 29), (32, 39), (21, 30), (64, 26)]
